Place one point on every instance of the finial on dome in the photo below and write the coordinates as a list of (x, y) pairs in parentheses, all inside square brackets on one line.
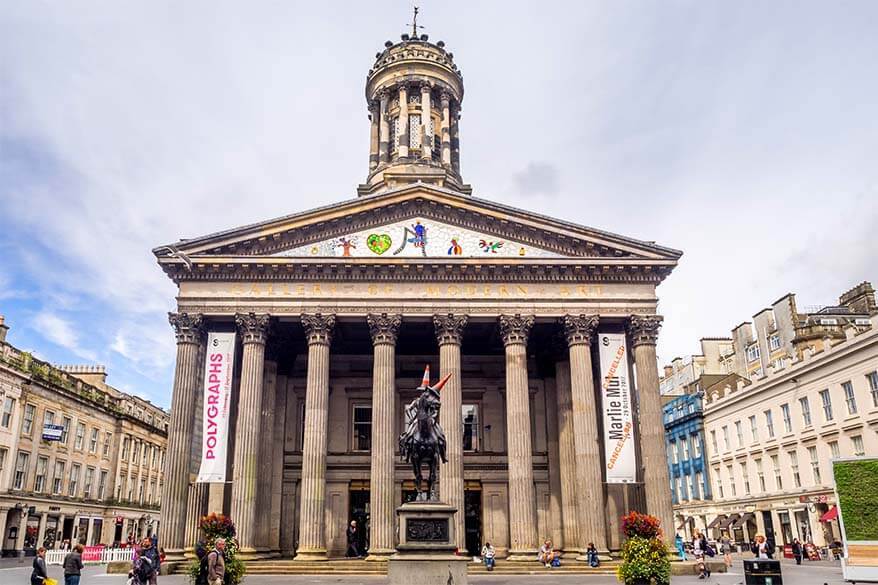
[(415, 26)]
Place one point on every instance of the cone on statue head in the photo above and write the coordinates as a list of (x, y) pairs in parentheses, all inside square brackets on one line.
[(441, 382), (425, 382)]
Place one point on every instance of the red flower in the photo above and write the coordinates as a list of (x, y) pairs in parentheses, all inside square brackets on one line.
[(643, 525)]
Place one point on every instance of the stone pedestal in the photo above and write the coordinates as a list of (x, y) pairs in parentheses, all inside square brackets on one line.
[(425, 553)]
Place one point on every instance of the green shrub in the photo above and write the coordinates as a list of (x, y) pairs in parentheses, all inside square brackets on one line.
[(857, 485), (644, 555)]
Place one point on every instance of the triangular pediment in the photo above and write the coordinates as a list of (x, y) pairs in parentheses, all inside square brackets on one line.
[(418, 221)]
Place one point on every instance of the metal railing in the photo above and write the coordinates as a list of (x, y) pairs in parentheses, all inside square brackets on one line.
[(93, 554)]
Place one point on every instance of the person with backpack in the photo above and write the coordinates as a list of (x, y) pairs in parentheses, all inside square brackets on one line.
[(142, 569), (701, 548), (149, 550), (216, 563)]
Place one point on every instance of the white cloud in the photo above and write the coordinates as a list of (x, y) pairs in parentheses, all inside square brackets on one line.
[(61, 332)]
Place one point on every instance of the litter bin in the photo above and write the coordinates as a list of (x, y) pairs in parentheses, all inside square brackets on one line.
[(762, 572)]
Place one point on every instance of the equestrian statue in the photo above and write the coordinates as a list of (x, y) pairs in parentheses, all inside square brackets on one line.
[(424, 440)]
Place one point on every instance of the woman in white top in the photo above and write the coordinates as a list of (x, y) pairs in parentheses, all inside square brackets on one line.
[(760, 548)]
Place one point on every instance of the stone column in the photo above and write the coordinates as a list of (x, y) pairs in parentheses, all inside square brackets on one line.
[(197, 501), (455, 139), (384, 129), (253, 328), (312, 533), (449, 335), (567, 457), (426, 116), (445, 127), (374, 113), (384, 329), (579, 330), (402, 125), (89, 531), (41, 533), (22, 532), (514, 330), (60, 530), (643, 331), (175, 487), (266, 458)]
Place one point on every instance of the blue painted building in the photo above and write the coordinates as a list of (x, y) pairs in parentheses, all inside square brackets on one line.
[(684, 439)]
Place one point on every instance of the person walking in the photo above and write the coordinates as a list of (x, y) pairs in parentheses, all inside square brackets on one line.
[(353, 535), (39, 574), (797, 551), (700, 548), (681, 549), (488, 556), (726, 545), (73, 565), (591, 555), (216, 563), (761, 549), (151, 552)]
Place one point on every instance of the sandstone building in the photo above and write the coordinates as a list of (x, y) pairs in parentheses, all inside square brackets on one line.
[(98, 480), (337, 309)]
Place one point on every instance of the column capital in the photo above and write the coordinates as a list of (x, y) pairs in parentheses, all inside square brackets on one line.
[(384, 328), (643, 329), (515, 328), (579, 329), (253, 326), (425, 86), (373, 106), (318, 328), (403, 87), (449, 328), (444, 98), (188, 328)]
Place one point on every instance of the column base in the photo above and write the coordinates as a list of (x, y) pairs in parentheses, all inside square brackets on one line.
[(522, 556), (175, 554), (380, 555), (251, 554), (317, 554)]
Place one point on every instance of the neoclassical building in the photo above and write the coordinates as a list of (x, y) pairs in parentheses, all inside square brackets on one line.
[(338, 309)]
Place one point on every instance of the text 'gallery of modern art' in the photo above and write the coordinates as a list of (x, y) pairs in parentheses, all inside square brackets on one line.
[(300, 340)]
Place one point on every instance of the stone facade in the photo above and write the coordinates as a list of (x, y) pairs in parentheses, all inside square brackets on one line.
[(339, 308), (100, 482)]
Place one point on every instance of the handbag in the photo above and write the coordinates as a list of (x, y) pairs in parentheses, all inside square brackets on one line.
[(49, 581)]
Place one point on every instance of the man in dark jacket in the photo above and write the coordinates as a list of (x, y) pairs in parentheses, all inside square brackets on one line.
[(150, 551), (73, 566), (39, 574)]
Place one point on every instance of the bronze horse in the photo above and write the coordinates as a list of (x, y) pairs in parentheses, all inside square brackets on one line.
[(423, 440)]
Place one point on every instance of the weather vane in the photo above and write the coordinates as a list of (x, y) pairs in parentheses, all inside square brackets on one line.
[(415, 25)]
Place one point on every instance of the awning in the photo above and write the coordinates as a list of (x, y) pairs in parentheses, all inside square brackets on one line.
[(724, 525), (718, 520), (742, 520), (832, 514)]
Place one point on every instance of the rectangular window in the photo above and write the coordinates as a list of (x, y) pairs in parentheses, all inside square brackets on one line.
[(872, 377), (806, 411), (754, 433), (774, 342), (40, 477), (414, 131), (80, 436), (73, 484), (859, 450), (719, 482), (685, 442), (27, 421), (135, 451), (58, 478), (672, 452), (833, 448), (102, 484), (769, 424), (696, 445), (93, 441), (827, 405), (362, 430), (739, 430), (760, 475), (89, 480), (787, 419), (726, 437), (746, 477), (65, 433), (8, 409), (20, 477), (753, 353), (471, 428), (849, 398), (126, 445), (778, 479), (794, 466), (713, 441), (699, 486), (108, 441), (815, 464), (732, 481), (48, 419), (3, 453), (155, 455), (141, 491)]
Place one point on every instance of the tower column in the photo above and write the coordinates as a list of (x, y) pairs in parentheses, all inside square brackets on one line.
[(445, 127), (455, 138), (579, 330), (522, 499), (567, 457), (384, 329), (402, 125), (643, 332), (312, 533), (426, 116), (188, 329), (374, 114), (449, 335), (384, 128), (254, 333)]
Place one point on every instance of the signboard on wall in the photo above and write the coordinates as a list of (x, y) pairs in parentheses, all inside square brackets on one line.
[(218, 365), (52, 432), (619, 454)]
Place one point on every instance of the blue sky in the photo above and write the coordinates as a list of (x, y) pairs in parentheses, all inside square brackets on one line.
[(743, 133)]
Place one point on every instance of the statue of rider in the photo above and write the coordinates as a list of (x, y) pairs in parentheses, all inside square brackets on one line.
[(423, 438)]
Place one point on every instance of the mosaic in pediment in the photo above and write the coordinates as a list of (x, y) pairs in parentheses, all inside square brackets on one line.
[(419, 237)]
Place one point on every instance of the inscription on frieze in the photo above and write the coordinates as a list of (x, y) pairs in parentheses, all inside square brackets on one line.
[(426, 530)]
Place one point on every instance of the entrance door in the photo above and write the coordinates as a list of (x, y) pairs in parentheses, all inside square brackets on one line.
[(472, 504), (359, 511)]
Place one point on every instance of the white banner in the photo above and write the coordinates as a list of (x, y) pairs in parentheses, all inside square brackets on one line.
[(616, 402), (218, 366)]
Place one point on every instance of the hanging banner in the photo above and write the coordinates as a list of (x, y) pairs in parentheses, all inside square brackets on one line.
[(219, 363), (616, 402)]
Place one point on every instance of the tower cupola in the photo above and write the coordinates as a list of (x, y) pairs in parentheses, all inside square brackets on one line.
[(413, 92)]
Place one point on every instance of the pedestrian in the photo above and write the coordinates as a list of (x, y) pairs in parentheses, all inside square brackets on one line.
[(726, 545), (39, 574), (216, 563), (681, 549), (700, 548), (149, 551), (73, 565), (591, 555), (142, 569), (488, 555), (548, 556), (353, 534), (761, 548), (797, 551)]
